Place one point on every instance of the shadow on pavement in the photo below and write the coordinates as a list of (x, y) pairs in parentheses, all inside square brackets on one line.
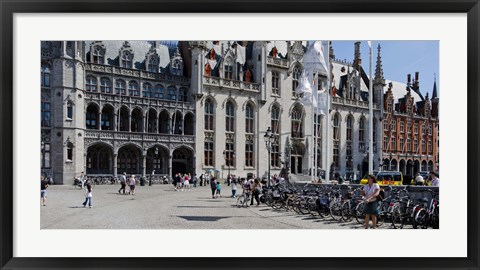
[(202, 218)]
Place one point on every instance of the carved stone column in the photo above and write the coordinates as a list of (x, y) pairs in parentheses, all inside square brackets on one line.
[(144, 164), (170, 161), (115, 156)]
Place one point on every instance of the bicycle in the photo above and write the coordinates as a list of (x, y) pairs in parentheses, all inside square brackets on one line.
[(427, 216), (244, 199)]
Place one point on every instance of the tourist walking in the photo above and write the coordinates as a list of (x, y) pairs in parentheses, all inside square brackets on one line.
[(123, 182), (186, 182), (88, 196), (82, 179), (219, 189), (370, 192), (213, 186), (132, 185), (43, 190)]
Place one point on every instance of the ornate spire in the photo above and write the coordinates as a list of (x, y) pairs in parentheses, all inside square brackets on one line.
[(434, 94), (379, 69)]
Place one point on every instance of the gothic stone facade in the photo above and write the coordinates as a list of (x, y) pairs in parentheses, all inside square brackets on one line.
[(193, 107)]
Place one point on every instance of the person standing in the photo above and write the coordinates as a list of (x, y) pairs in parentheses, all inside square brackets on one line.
[(370, 192), (195, 179), (419, 180), (213, 187), (132, 185), (123, 182), (82, 179), (435, 180), (43, 190), (201, 180), (88, 196), (234, 188), (186, 182), (256, 189)]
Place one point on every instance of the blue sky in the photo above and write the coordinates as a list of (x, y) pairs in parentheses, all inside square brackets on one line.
[(399, 58)]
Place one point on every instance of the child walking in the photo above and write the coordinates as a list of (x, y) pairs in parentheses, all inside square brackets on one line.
[(219, 188), (88, 196)]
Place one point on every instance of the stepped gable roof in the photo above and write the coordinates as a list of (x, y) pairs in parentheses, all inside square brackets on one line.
[(140, 49)]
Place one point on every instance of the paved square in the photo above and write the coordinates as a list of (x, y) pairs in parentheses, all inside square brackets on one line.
[(160, 207)]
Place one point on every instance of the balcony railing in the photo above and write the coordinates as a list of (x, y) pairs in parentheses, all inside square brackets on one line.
[(233, 84), (353, 103), (283, 63), (135, 73), (139, 137), (137, 100)]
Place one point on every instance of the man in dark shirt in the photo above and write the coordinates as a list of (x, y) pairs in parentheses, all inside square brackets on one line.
[(43, 190)]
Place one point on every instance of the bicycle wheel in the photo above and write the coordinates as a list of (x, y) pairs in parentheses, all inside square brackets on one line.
[(312, 206), (420, 220), (241, 200), (397, 216), (436, 218), (336, 210), (359, 216), (346, 212)]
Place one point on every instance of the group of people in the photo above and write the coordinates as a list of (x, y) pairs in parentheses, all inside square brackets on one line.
[(184, 181), (432, 180), (131, 181)]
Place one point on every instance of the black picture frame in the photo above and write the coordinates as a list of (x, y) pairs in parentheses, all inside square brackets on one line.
[(10, 7)]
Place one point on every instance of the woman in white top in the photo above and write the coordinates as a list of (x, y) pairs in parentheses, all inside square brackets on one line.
[(370, 192), (132, 185)]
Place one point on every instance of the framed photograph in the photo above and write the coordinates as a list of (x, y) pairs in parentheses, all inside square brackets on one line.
[(162, 121)]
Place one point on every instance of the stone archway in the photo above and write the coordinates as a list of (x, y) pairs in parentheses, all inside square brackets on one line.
[(99, 159), (157, 159), (182, 161), (129, 160)]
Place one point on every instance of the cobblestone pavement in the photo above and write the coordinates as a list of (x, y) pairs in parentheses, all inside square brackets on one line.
[(160, 207)]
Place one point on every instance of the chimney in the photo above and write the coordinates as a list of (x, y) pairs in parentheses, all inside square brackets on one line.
[(416, 84), (409, 80), (357, 62)]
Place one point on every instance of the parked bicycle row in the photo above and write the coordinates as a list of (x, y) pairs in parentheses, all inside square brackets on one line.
[(387, 207)]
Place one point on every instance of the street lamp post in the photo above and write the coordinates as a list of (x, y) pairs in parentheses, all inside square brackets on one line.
[(269, 138), (229, 164)]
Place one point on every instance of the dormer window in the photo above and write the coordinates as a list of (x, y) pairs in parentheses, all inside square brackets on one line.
[(229, 69), (153, 65), (126, 60), (98, 55), (176, 68)]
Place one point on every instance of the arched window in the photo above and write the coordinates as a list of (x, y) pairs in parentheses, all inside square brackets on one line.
[(120, 87), (69, 151), (172, 93), (209, 115), (153, 64), (297, 122), (147, 90), (69, 109), (45, 76), (105, 85), (349, 128), (295, 77), (46, 113), (98, 55), (275, 124), (91, 84), (249, 120), (229, 69), (230, 117), (159, 91), (275, 83), (133, 89), (91, 117), (336, 140), (183, 94), (126, 60)]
